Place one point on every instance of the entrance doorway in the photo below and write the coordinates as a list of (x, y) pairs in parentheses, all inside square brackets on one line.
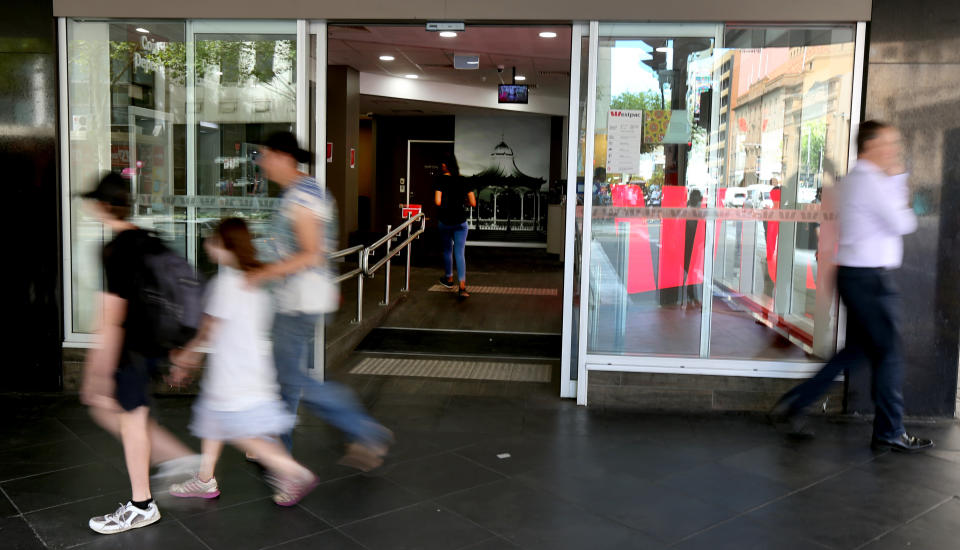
[(497, 98)]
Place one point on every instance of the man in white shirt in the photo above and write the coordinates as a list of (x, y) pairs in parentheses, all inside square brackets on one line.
[(873, 213)]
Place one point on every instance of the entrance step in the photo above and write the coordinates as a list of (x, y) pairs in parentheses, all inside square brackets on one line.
[(454, 369), (460, 343)]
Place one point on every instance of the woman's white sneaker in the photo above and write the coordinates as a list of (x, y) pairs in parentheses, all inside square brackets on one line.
[(126, 517), (196, 488)]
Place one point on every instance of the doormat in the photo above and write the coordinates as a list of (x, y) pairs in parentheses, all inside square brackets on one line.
[(460, 370), (516, 290)]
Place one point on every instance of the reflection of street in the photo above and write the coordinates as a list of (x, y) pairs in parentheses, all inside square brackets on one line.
[(743, 283)]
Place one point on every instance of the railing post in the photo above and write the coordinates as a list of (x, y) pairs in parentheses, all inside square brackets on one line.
[(386, 267), (360, 276), (406, 282)]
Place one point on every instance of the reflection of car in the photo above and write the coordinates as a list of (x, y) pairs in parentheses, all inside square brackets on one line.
[(652, 195), (735, 198), (758, 196)]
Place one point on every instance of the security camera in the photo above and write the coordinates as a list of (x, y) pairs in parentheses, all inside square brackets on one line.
[(499, 68)]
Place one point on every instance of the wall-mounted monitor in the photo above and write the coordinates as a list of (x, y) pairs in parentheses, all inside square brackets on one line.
[(512, 93)]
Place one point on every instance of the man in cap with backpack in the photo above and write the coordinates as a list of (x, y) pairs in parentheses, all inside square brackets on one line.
[(145, 313)]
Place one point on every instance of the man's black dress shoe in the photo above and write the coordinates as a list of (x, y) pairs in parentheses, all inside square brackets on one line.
[(789, 423), (903, 444)]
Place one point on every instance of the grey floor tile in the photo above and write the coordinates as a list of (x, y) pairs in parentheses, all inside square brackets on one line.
[(425, 526), (927, 471), (356, 498), (162, 536), (743, 534), (253, 525), (783, 464), (438, 475), (727, 486), (849, 510), (64, 526), (327, 540), (495, 543), (939, 528), (16, 534), (64, 486), (535, 519)]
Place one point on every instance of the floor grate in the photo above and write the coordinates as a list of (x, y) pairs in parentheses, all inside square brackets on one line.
[(461, 370), (515, 290)]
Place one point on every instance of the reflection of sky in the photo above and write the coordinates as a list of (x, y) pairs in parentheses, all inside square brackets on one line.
[(628, 73)]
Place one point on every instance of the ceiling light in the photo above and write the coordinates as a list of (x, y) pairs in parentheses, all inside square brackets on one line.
[(664, 49), (141, 29), (548, 34), (520, 77), (473, 62), (386, 58), (411, 76), (448, 34)]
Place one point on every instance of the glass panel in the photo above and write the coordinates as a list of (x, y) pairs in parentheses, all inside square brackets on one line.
[(784, 125), (127, 108), (650, 153), (246, 89), (128, 113), (575, 255)]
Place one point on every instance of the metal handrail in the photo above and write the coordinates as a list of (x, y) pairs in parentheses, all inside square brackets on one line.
[(393, 233), (363, 268), (391, 250)]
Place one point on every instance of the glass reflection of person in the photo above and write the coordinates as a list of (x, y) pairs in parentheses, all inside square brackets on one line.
[(692, 297)]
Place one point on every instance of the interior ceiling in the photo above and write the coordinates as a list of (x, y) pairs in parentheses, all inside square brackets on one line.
[(545, 62), (390, 106)]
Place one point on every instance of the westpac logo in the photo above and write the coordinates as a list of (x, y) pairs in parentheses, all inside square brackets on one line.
[(627, 114)]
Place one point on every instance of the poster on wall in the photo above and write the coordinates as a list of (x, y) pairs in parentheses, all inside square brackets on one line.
[(624, 141), (506, 160)]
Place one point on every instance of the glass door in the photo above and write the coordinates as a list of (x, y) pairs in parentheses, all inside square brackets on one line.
[(706, 170), (244, 87), (644, 260)]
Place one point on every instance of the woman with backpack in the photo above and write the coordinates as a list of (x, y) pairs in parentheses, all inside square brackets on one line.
[(240, 399), (119, 372)]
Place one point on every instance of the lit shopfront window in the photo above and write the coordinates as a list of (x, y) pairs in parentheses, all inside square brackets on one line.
[(709, 169), (181, 133)]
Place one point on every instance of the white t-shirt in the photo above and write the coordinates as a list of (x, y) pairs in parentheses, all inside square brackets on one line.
[(240, 372)]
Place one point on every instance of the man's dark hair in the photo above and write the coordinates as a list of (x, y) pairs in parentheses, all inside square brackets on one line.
[(869, 130)]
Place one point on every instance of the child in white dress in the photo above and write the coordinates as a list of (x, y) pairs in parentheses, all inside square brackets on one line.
[(240, 398)]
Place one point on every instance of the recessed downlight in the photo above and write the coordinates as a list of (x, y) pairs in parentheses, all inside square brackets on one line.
[(387, 58), (448, 34), (143, 30), (411, 76), (548, 34)]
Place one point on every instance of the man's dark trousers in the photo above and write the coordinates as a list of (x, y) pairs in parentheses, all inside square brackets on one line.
[(871, 301)]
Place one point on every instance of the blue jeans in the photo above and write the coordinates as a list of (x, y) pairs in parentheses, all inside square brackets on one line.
[(293, 341), (872, 336), (454, 239)]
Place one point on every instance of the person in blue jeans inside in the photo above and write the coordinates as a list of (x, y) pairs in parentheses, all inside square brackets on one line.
[(303, 232), (452, 197)]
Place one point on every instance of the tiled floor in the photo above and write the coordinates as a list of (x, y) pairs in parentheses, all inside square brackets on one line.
[(573, 478)]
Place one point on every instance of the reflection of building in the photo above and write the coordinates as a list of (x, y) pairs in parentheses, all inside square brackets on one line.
[(779, 100), (507, 199)]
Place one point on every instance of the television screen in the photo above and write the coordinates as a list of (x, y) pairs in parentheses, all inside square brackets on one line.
[(512, 93)]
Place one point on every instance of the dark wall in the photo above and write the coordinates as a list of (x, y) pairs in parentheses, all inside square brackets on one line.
[(392, 134), (28, 154), (343, 130), (912, 75)]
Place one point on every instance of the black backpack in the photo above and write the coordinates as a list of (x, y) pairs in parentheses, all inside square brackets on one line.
[(171, 296)]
